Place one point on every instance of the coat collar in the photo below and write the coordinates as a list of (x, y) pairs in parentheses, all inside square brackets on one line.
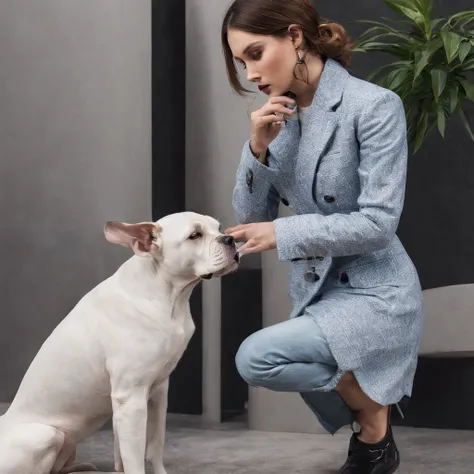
[(300, 156), (331, 86)]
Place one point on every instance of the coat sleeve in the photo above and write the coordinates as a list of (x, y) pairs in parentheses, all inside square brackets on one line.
[(381, 134), (255, 199)]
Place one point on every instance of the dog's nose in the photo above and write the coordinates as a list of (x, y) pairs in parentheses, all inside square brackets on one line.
[(228, 240)]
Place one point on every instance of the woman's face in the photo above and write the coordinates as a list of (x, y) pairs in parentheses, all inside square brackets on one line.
[(269, 61)]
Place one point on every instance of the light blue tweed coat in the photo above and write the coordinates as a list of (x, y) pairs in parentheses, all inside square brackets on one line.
[(344, 179)]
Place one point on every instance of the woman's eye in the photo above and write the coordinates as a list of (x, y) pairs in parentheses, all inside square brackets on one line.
[(242, 64), (256, 56), (195, 235)]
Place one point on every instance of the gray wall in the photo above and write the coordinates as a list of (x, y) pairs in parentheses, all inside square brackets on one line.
[(75, 151)]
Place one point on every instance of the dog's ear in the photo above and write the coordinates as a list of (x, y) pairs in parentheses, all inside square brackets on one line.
[(143, 238)]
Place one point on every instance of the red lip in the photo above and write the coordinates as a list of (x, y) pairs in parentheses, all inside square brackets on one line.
[(263, 87)]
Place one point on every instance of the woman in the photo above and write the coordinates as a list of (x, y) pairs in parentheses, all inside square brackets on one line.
[(339, 161)]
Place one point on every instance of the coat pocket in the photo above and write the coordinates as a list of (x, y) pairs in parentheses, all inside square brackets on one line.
[(336, 183), (382, 272)]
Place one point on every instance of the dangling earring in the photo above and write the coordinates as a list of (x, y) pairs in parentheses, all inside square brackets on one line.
[(300, 57), (299, 62)]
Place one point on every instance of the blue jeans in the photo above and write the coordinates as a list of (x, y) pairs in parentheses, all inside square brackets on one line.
[(294, 356)]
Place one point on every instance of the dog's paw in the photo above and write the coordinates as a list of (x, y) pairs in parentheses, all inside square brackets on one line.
[(84, 467), (160, 469)]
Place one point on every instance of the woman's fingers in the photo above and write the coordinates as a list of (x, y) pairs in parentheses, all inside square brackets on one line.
[(249, 247), (281, 99), (276, 119), (276, 109), (236, 228), (238, 235)]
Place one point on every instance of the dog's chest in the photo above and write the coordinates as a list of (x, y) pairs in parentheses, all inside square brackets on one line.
[(171, 343)]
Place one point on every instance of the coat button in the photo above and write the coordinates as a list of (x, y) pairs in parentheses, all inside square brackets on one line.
[(249, 179), (344, 278), (311, 277), (285, 202), (329, 199)]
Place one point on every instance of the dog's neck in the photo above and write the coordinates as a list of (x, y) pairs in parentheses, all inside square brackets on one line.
[(143, 279)]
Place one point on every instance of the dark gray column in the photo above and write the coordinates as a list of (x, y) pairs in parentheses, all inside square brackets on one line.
[(168, 175)]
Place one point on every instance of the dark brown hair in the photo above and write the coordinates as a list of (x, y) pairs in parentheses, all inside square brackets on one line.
[(272, 18)]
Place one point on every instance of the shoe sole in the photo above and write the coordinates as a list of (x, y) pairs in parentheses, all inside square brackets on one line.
[(395, 468)]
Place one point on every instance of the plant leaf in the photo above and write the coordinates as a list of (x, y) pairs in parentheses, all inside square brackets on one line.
[(362, 42), (421, 130), (425, 7), (396, 78), (396, 22), (451, 42), (464, 49), (434, 23), (438, 81), (422, 59), (468, 88), (441, 120), (407, 42), (466, 123), (377, 24), (407, 8), (466, 16), (468, 65), (453, 99), (371, 30), (390, 48), (379, 69), (426, 55), (463, 25)]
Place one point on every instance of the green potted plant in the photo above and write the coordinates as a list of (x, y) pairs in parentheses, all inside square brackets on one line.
[(434, 66)]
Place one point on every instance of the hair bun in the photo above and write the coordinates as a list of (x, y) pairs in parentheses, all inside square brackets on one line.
[(334, 42)]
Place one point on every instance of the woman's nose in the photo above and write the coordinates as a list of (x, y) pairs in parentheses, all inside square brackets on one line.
[(252, 76)]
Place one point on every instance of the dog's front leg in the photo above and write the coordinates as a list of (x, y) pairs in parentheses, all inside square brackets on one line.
[(117, 456), (129, 418), (156, 427)]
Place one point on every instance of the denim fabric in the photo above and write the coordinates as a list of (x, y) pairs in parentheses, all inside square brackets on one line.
[(294, 356)]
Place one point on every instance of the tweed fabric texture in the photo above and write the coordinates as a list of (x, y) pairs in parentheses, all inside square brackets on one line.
[(344, 180)]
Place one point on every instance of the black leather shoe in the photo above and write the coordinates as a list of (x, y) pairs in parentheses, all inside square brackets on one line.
[(379, 458)]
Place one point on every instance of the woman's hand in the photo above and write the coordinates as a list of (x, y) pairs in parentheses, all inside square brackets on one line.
[(267, 121), (258, 237)]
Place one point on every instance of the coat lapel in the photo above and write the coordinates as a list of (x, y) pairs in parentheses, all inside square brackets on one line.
[(322, 123), (286, 144)]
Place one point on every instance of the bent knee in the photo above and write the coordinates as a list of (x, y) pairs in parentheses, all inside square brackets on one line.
[(32, 447), (252, 360)]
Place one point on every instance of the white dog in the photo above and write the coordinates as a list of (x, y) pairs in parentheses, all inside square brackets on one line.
[(113, 354)]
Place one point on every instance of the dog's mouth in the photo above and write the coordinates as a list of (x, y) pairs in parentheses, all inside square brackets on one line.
[(209, 276)]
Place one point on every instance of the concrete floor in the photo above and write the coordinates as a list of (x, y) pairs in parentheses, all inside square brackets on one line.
[(195, 447), (230, 448)]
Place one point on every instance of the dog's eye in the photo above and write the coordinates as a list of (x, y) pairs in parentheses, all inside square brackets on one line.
[(195, 235)]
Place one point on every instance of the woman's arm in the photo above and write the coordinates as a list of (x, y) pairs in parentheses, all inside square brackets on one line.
[(382, 172), (254, 197)]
